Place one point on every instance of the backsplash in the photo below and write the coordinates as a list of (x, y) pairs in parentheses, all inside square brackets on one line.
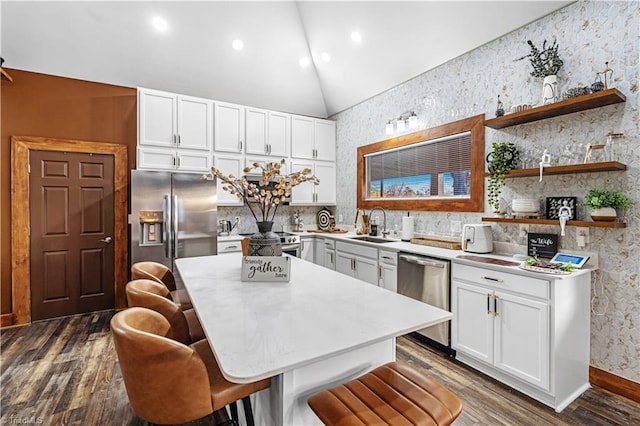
[(588, 34)]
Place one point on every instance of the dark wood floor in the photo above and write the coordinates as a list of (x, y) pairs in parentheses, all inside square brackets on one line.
[(65, 371)]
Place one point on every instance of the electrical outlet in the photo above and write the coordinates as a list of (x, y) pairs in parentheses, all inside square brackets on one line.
[(582, 236), (340, 218), (523, 230)]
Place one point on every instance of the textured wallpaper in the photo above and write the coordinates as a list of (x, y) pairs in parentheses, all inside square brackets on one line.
[(588, 34)]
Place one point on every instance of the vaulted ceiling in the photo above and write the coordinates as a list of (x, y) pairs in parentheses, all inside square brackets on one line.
[(117, 43)]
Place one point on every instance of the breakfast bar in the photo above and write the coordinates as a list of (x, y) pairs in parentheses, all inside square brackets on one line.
[(318, 330)]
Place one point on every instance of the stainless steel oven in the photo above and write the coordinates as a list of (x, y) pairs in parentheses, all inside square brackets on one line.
[(290, 243)]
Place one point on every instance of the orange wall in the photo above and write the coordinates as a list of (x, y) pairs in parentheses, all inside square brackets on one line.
[(44, 105)]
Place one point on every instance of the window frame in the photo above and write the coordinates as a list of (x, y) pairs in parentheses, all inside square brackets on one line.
[(474, 203)]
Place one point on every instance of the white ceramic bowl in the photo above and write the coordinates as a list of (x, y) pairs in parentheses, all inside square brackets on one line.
[(525, 205)]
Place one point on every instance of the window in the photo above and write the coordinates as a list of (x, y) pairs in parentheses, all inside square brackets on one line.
[(438, 169)]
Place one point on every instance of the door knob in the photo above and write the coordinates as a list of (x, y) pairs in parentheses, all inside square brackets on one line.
[(106, 240)]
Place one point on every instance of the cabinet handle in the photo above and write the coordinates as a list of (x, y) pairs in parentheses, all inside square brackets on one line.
[(489, 304), (240, 143), (331, 257), (493, 279), (380, 272), (173, 139), (231, 247), (495, 306), (178, 161), (174, 161), (179, 140)]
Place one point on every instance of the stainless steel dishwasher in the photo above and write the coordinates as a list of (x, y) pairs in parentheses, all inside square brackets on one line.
[(427, 279)]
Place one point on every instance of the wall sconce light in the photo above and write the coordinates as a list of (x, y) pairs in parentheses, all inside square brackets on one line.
[(406, 120)]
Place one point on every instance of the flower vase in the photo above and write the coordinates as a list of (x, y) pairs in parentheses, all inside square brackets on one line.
[(604, 214), (550, 90), (265, 242)]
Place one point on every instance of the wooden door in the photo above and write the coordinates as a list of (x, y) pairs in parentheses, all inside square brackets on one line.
[(71, 198)]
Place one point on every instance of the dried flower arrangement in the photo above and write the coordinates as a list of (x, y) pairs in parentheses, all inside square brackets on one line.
[(271, 190), (545, 62)]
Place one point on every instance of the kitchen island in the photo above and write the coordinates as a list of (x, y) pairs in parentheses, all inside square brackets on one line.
[(318, 330)]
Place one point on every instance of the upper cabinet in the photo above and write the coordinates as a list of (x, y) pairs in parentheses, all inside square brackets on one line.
[(175, 132), (229, 127), (267, 132), (174, 121), (313, 138)]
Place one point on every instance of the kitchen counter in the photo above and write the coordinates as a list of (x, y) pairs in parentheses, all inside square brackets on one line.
[(319, 329)]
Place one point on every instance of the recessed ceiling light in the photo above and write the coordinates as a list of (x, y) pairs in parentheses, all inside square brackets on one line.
[(304, 62), (325, 57), (356, 37), (237, 44), (160, 24)]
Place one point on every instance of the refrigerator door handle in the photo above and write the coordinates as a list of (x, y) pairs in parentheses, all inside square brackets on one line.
[(166, 218), (174, 217)]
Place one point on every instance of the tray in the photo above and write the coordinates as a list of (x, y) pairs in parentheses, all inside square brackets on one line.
[(328, 231), (437, 242)]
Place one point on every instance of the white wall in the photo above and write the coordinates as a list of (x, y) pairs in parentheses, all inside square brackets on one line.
[(588, 33)]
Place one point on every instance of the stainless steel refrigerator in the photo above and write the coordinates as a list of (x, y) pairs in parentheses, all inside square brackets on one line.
[(173, 215)]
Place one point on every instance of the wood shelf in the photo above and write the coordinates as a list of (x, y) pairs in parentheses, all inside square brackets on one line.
[(606, 166), (580, 103), (5, 75), (583, 223)]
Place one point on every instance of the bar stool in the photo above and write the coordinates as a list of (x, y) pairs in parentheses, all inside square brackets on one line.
[(158, 272), (168, 382), (152, 295), (392, 394)]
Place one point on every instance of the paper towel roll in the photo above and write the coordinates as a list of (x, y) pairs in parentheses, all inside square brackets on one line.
[(407, 228)]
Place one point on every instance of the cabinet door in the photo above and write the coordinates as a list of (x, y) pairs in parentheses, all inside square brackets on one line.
[(195, 123), (307, 249), (318, 250), (522, 338), (279, 134), (472, 323), (190, 161), (156, 159), (345, 263), (388, 277), (263, 160), (228, 127), (367, 270), (302, 143), (325, 140), (256, 131), (157, 119), (228, 164), (326, 190), (303, 194), (330, 258)]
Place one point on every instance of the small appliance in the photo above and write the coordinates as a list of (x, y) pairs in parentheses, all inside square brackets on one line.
[(477, 238)]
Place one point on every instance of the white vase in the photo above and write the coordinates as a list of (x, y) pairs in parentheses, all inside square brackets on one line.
[(550, 92), (603, 214)]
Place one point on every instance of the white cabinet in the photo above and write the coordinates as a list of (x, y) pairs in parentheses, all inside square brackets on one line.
[(357, 261), (228, 164), (313, 138), (530, 333), (329, 250), (307, 249), (267, 132), (309, 194), (388, 270), (229, 131), (174, 131), (229, 246)]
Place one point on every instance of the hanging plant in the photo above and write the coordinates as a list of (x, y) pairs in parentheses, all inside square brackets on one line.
[(504, 157)]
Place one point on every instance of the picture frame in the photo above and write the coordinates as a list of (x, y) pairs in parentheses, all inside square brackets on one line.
[(553, 205)]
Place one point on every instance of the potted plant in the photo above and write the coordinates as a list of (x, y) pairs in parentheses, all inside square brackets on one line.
[(504, 157), (603, 203), (546, 63)]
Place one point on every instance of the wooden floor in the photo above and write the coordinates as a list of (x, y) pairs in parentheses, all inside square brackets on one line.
[(65, 371)]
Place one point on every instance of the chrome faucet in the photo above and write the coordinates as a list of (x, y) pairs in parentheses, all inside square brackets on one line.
[(384, 231)]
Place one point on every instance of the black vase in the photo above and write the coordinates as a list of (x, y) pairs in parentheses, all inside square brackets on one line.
[(265, 242)]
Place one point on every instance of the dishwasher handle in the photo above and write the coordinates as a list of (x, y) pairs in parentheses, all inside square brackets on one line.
[(422, 261)]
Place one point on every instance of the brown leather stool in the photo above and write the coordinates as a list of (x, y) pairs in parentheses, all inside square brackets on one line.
[(393, 394), (160, 273)]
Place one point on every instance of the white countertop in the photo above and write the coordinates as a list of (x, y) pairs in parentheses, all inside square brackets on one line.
[(259, 329)]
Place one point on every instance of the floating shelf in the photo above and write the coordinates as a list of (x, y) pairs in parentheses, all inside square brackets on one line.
[(606, 166), (582, 223), (5, 75), (580, 103)]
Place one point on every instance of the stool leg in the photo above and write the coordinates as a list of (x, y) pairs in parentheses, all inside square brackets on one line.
[(234, 412), (248, 413)]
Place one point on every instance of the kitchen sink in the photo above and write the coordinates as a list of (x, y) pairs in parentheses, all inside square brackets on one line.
[(371, 239)]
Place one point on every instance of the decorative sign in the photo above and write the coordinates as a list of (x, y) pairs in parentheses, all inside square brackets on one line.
[(266, 268), (554, 204), (542, 245)]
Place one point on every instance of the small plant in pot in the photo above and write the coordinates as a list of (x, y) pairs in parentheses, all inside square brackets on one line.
[(603, 203), (504, 157), (546, 63)]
